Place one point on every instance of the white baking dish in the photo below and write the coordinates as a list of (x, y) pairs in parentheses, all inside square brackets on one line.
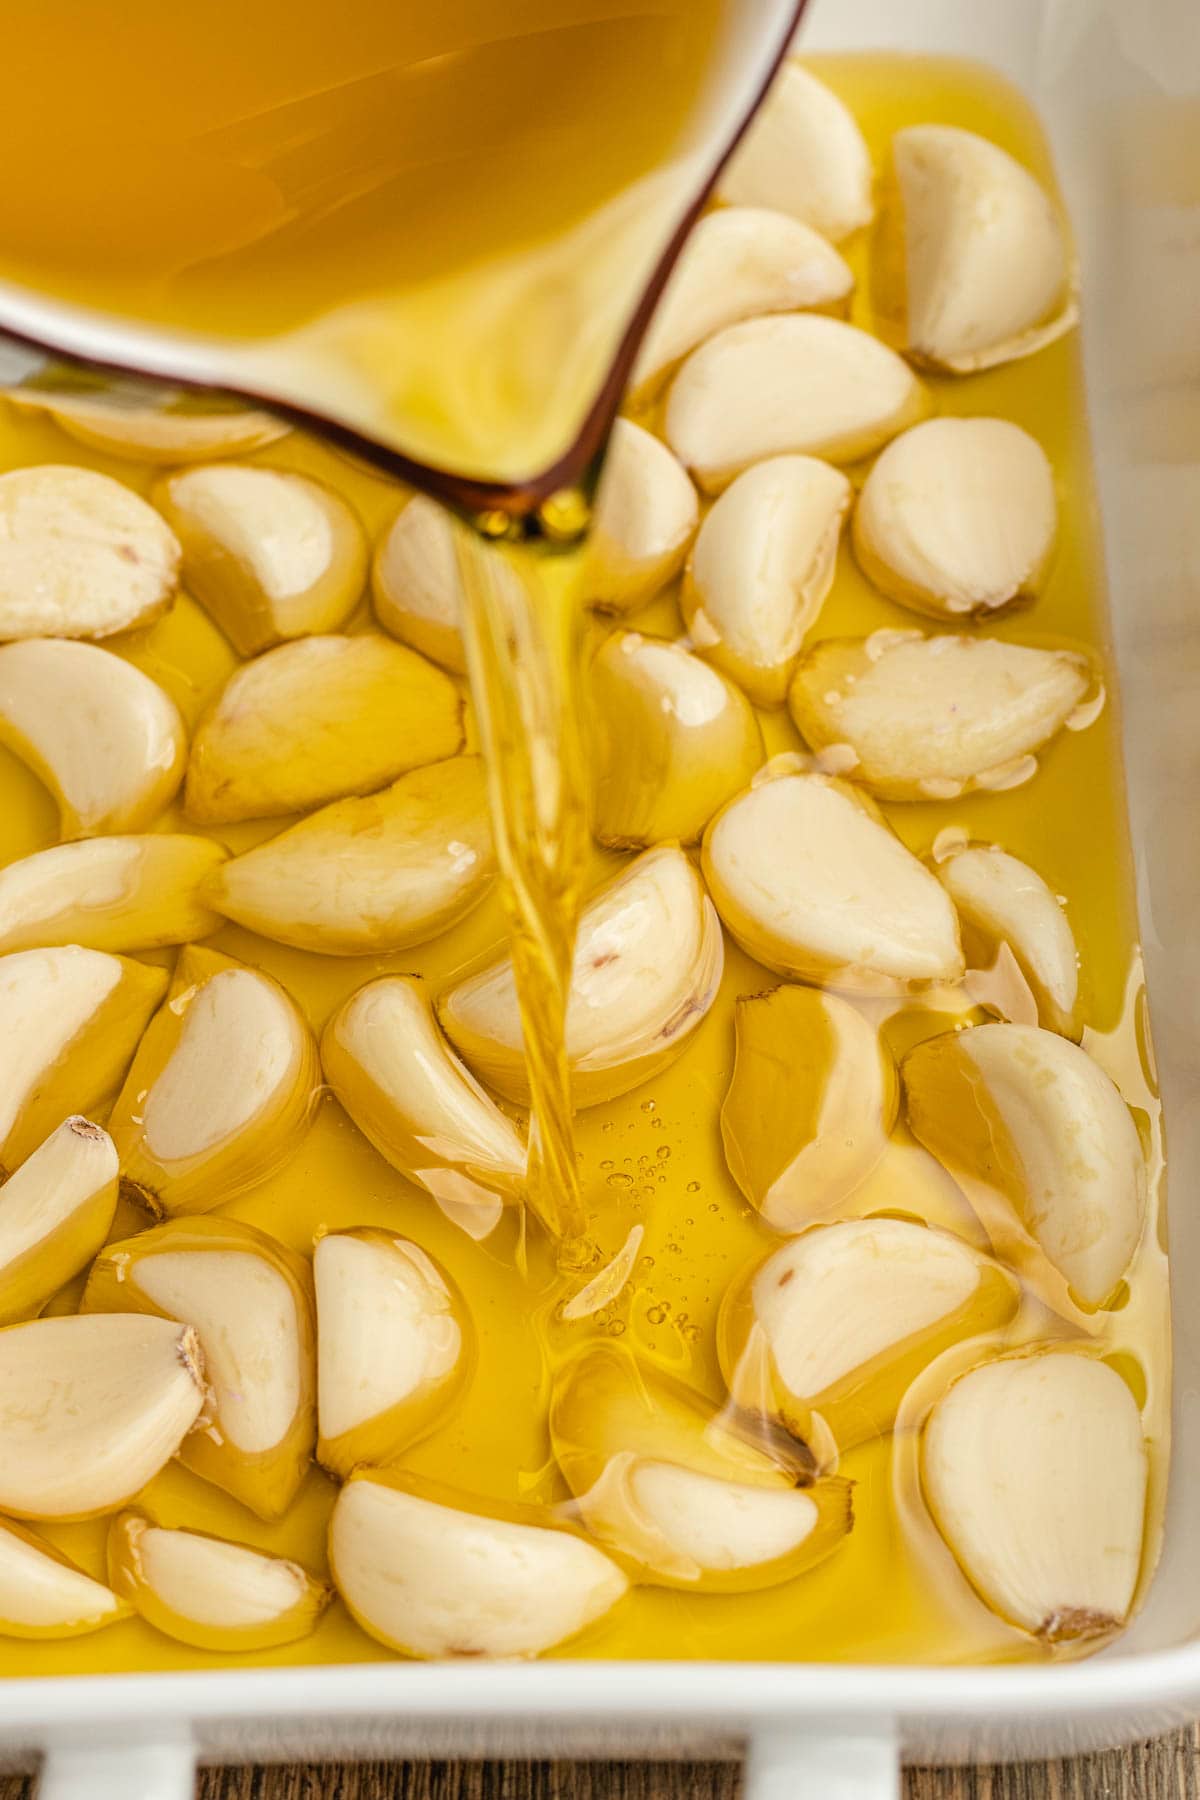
[(1101, 73)]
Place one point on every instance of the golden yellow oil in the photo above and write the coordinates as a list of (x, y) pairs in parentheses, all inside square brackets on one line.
[(653, 1158)]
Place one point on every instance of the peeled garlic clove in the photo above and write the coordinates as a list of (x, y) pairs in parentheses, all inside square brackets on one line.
[(763, 563), (812, 882), (209, 1592), (43, 1594), (151, 433), (105, 739), (804, 154), (416, 586), (796, 384), (90, 1410), (248, 1300), (81, 556), (810, 1106), (396, 1346), (409, 1095), (930, 718), (430, 1572), (671, 741), (314, 720), (410, 862), (1030, 1116), (55, 1212), (270, 555), (957, 518), (70, 1020), (645, 517), (987, 275), (841, 1321), (739, 262), (648, 962), (1034, 1468), (221, 1090), (110, 893), (1001, 900)]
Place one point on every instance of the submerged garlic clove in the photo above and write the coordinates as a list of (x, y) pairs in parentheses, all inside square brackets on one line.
[(315, 720), (248, 1300), (43, 1594), (811, 1103), (55, 1212), (930, 718), (1001, 900), (210, 1592), (812, 882), (645, 517), (1034, 1468), (81, 556), (110, 893), (91, 1409), (106, 740), (221, 1090), (671, 741), (415, 583), (395, 1346), (433, 1573), (762, 564), (269, 554), (1029, 1116), (70, 1020), (987, 272), (151, 433), (839, 1322), (369, 875), (409, 1095), (957, 518), (739, 262), (805, 155), (648, 962), (795, 384)]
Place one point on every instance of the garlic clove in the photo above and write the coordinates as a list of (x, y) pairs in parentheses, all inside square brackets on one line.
[(248, 1300), (1034, 1468), (407, 863), (151, 433), (106, 740), (409, 1095), (841, 1320), (672, 740), (221, 1090), (930, 718), (90, 1410), (1001, 900), (81, 556), (416, 586), (55, 1212), (311, 721), (812, 1100), (795, 384), (70, 1020), (645, 517), (270, 555), (433, 1574), (987, 272), (648, 962), (739, 262), (208, 1591), (396, 1346), (761, 567), (110, 893), (1029, 1116), (813, 883), (957, 518), (43, 1594), (805, 155)]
